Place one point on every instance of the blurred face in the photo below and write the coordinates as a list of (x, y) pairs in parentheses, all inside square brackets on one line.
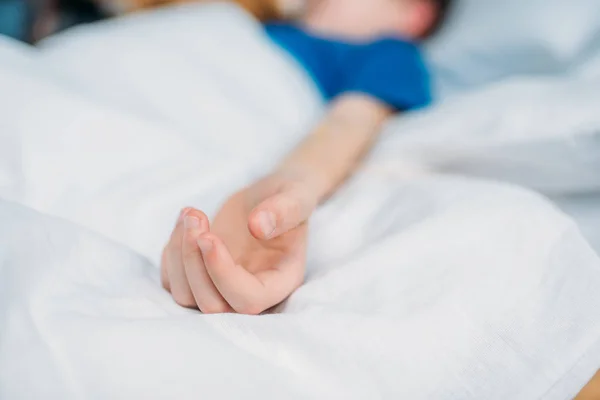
[(366, 19)]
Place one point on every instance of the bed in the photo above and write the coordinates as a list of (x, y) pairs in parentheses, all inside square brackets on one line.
[(461, 262)]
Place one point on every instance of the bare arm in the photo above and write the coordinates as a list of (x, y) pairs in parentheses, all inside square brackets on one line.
[(253, 254), (338, 144), (322, 162)]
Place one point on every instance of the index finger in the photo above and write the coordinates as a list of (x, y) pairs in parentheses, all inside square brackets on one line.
[(245, 292)]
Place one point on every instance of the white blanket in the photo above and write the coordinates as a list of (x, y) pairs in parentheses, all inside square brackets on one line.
[(421, 285)]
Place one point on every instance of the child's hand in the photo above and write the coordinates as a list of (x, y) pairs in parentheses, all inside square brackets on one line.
[(252, 257)]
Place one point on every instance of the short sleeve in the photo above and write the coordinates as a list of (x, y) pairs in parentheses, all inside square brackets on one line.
[(320, 58), (391, 70)]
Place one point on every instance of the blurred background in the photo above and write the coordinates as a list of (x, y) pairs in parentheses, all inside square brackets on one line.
[(31, 20)]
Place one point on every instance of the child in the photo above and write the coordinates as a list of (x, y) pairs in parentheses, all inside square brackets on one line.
[(361, 54)]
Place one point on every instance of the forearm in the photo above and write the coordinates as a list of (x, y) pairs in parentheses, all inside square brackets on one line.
[(286, 198), (336, 147)]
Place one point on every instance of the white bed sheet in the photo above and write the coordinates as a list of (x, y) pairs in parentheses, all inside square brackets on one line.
[(421, 284), (585, 210)]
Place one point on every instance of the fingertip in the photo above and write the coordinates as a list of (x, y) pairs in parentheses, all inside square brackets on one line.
[(267, 222), (262, 224), (191, 222), (254, 226), (197, 213), (196, 220), (183, 213)]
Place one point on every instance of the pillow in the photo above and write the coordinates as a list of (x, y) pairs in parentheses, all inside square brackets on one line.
[(538, 132), (487, 40)]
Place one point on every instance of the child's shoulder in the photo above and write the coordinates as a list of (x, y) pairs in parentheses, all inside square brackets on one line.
[(389, 68)]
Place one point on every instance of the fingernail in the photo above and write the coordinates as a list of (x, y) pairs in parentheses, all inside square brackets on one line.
[(205, 245), (267, 222), (184, 212), (191, 223)]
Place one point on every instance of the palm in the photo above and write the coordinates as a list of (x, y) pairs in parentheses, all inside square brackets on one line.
[(256, 255)]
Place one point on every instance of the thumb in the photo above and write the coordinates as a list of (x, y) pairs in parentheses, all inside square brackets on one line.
[(280, 213)]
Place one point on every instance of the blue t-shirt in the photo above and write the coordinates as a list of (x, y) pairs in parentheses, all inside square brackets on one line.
[(389, 69)]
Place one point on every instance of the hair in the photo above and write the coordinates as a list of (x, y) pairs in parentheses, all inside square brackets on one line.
[(443, 9)]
